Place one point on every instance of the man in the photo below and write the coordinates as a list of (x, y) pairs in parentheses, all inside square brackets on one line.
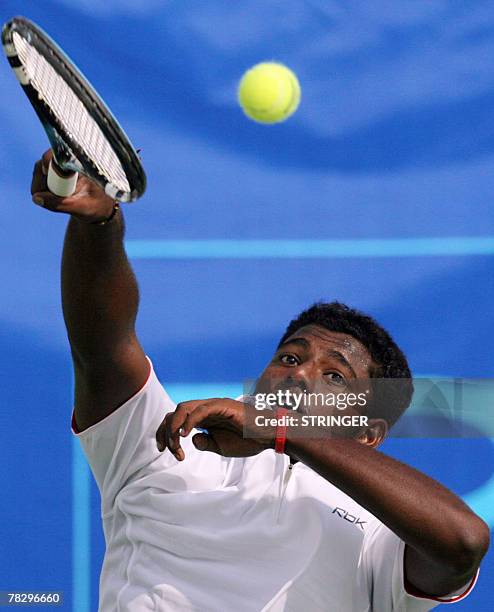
[(245, 517)]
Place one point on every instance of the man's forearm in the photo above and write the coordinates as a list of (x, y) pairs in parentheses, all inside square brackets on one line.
[(422, 512), (99, 290)]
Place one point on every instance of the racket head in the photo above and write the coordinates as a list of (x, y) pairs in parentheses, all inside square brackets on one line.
[(84, 135)]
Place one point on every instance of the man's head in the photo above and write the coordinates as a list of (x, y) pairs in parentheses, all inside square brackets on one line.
[(330, 348)]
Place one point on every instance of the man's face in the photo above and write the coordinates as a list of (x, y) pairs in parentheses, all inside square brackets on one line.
[(316, 360)]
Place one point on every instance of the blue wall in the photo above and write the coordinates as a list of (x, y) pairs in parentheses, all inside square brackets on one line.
[(394, 141)]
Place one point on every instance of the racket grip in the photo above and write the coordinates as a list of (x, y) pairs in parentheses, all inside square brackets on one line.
[(59, 182)]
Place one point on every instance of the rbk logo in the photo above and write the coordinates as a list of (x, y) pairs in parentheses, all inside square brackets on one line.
[(349, 517)]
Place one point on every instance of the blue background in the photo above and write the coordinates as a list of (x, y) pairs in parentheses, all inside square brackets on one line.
[(393, 141)]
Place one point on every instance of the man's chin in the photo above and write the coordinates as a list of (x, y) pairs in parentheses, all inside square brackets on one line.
[(300, 410)]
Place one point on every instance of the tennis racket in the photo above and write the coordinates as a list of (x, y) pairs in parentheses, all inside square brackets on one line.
[(84, 135)]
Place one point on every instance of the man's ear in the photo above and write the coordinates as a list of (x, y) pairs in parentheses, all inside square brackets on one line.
[(373, 433)]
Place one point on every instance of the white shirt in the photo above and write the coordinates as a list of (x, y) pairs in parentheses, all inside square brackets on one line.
[(215, 534)]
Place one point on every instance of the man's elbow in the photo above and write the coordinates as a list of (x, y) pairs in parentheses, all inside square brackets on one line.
[(472, 545)]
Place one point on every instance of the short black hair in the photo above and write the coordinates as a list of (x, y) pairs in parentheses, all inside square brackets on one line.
[(391, 400)]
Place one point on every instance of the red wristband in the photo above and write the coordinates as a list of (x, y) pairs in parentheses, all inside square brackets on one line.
[(280, 432)]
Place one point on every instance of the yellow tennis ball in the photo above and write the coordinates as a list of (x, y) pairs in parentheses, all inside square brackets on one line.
[(269, 92)]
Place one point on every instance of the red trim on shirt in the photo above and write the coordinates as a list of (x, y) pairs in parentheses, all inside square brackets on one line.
[(74, 425), (75, 429), (412, 590)]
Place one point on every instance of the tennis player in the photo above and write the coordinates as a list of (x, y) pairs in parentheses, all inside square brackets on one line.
[(241, 518)]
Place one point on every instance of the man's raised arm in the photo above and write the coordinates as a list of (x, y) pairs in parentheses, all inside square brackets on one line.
[(100, 300)]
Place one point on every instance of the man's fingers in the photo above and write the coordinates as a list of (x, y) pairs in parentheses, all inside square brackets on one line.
[(214, 413), (39, 179), (174, 423), (168, 434), (183, 412), (40, 172), (195, 418), (205, 442), (186, 417), (225, 443), (161, 436), (45, 160)]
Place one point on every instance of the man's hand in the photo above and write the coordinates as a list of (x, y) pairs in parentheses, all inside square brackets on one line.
[(228, 423), (88, 203)]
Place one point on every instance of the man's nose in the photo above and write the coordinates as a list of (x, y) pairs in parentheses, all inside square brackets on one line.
[(309, 368), (299, 378)]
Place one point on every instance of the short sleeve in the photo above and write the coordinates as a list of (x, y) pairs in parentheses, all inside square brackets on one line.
[(383, 563), (122, 447)]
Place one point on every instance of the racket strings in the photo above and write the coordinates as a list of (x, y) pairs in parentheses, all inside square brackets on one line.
[(71, 113)]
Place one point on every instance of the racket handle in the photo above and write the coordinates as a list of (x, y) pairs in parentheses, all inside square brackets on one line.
[(59, 182)]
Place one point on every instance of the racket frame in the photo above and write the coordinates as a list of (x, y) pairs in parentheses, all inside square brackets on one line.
[(69, 156)]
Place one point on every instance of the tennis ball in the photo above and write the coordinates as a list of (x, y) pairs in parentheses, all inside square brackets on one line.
[(269, 92)]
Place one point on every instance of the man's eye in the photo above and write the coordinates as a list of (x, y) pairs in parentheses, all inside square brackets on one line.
[(288, 359), (336, 378)]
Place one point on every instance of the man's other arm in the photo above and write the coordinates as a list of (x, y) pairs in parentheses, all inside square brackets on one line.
[(100, 300)]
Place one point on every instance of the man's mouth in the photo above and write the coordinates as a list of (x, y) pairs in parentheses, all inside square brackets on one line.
[(292, 398)]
